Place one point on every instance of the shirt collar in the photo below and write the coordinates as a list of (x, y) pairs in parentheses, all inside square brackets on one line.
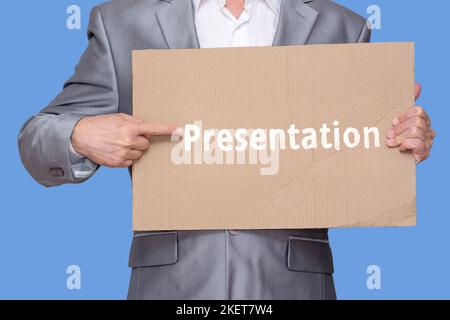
[(275, 5)]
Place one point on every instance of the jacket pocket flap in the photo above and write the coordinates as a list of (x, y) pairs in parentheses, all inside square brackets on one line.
[(310, 255), (153, 249)]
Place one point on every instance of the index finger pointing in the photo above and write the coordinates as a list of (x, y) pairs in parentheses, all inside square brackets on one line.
[(157, 129)]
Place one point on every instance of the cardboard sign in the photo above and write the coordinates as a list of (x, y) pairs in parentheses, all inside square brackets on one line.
[(275, 137)]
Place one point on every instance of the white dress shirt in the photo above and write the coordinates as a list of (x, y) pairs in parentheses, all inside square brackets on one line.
[(216, 28)]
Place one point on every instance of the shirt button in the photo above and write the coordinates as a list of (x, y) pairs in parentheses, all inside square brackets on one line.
[(56, 172), (234, 232)]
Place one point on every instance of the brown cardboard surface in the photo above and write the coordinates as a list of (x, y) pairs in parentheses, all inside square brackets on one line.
[(360, 85)]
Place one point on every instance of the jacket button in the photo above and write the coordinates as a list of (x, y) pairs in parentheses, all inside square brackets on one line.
[(234, 232), (56, 172)]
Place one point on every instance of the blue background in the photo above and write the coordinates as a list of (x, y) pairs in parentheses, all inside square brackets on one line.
[(42, 231)]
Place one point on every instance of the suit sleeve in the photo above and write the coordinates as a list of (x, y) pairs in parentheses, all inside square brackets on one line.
[(44, 140)]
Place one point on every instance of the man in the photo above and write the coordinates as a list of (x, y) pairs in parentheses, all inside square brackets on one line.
[(88, 125)]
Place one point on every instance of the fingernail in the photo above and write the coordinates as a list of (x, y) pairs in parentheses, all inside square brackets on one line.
[(390, 133), (417, 158), (178, 132), (390, 142), (395, 122)]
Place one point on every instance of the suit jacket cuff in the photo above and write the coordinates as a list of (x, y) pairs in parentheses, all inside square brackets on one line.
[(44, 144)]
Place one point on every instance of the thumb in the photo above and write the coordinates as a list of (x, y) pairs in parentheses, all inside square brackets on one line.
[(418, 90), (156, 129)]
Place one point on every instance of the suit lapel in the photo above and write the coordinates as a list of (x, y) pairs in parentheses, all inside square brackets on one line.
[(297, 21), (176, 20)]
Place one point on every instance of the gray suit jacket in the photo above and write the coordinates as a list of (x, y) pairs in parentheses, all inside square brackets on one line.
[(278, 264)]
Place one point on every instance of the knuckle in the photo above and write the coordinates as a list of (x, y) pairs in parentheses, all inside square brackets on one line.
[(145, 145), (129, 128), (126, 141), (121, 155), (122, 143), (419, 111), (419, 122), (127, 136)]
